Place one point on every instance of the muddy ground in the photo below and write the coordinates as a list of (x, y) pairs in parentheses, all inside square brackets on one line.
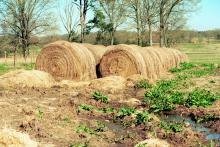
[(55, 116)]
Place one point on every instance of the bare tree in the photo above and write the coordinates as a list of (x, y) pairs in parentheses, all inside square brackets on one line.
[(83, 6), (116, 13), (68, 20), (151, 14), (24, 18), (136, 15), (167, 8)]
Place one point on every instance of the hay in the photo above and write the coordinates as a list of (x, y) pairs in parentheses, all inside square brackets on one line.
[(23, 78), (12, 138), (97, 51), (125, 60), (110, 84), (157, 63), (67, 61), (153, 143)]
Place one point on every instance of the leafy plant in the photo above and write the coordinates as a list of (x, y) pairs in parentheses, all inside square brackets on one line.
[(86, 107), (78, 145), (40, 114), (125, 112), (142, 118), (84, 129), (143, 84), (106, 110), (101, 127), (204, 118), (200, 97), (175, 127), (98, 96), (212, 81), (183, 66)]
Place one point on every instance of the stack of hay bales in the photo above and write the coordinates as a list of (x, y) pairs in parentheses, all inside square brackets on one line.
[(127, 60), (69, 61), (78, 62)]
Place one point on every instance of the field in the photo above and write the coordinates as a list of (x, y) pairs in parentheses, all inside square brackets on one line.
[(202, 53), (180, 109)]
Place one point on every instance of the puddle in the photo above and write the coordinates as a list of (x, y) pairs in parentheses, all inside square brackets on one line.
[(195, 126)]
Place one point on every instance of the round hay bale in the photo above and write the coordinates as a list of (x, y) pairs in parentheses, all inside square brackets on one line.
[(164, 56), (67, 61), (97, 51), (156, 60), (12, 138), (124, 60), (23, 78)]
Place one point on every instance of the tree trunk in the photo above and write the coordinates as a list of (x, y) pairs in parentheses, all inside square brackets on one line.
[(138, 34), (112, 37), (150, 34), (161, 27), (82, 24)]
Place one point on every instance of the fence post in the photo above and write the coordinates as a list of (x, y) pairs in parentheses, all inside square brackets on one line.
[(15, 56)]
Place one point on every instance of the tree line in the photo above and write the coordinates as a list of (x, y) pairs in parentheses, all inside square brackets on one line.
[(24, 19)]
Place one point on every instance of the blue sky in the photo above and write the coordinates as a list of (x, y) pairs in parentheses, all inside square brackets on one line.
[(207, 17)]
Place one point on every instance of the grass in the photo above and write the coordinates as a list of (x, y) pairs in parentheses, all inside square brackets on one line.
[(201, 53), (4, 68)]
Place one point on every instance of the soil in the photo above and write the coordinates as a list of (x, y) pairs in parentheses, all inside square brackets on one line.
[(52, 116)]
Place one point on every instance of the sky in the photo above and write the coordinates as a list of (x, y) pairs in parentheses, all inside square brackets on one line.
[(207, 17)]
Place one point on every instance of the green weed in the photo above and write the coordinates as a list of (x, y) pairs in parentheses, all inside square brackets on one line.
[(143, 84), (98, 96), (106, 110), (142, 118), (183, 66), (200, 97), (40, 114), (86, 107), (204, 118), (175, 127), (84, 129), (125, 112)]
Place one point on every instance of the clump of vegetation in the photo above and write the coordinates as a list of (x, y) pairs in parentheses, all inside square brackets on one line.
[(212, 81), (3, 69), (86, 107), (202, 72), (40, 114), (142, 118), (200, 97), (106, 110), (167, 126), (79, 145), (160, 96), (101, 127), (125, 112), (143, 84), (183, 66), (204, 118), (98, 96), (84, 129)]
